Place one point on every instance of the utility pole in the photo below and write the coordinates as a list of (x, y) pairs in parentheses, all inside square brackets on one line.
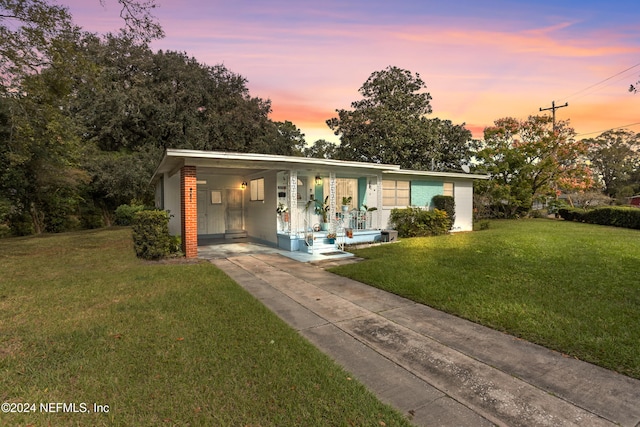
[(553, 109)]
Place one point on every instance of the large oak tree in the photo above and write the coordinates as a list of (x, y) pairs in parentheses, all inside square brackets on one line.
[(390, 125), (87, 117)]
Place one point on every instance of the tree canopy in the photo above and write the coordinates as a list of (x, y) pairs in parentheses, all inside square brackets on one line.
[(389, 125), (615, 156), (85, 118), (36, 33), (321, 149), (528, 160)]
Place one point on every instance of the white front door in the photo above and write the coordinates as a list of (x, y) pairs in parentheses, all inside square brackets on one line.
[(234, 211)]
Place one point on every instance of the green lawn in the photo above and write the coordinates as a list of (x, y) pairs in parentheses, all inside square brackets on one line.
[(571, 287), (83, 321)]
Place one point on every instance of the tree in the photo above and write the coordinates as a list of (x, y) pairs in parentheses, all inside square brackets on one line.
[(380, 126), (42, 64), (528, 160), (138, 103), (290, 138), (140, 24), (88, 116), (39, 159), (614, 154), (28, 31), (321, 149), (438, 145), (169, 100), (389, 125), (31, 31)]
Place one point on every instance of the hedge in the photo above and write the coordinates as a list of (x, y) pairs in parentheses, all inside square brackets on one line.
[(151, 238), (447, 204), (124, 213), (616, 216), (416, 222)]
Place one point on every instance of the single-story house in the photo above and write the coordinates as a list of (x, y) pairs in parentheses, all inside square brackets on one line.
[(634, 200), (279, 200)]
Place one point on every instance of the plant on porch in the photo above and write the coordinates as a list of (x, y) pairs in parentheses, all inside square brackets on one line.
[(282, 208), (346, 201), (322, 208)]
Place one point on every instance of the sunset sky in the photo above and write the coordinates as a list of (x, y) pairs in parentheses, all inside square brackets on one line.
[(481, 60)]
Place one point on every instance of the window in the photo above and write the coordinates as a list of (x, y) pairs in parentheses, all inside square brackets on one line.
[(257, 189), (448, 189), (347, 188), (396, 193)]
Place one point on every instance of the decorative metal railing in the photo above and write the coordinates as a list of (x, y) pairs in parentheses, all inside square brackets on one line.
[(355, 219)]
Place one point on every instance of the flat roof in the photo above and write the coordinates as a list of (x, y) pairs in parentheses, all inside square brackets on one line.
[(174, 159), (435, 174)]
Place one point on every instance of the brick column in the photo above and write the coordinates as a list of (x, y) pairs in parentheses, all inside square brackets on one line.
[(189, 211)]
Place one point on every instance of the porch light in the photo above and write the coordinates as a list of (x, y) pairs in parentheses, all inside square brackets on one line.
[(243, 185), (318, 180)]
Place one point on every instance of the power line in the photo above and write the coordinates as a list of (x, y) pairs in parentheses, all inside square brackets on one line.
[(606, 130), (602, 81)]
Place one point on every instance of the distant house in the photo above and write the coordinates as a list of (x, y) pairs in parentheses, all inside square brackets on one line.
[(272, 198), (635, 201)]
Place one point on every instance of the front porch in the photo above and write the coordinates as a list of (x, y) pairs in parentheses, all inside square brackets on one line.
[(318, 242), (220, 248), (322, 211)]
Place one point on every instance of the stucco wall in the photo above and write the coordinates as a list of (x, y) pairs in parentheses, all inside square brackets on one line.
[(172, 202), (215, 213), (463, 195), (423, 191), (260, 216)]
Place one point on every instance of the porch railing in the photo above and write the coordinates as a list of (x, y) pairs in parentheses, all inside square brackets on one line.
[(355, 219)]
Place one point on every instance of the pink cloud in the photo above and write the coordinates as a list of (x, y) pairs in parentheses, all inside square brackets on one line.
[(310, 60)]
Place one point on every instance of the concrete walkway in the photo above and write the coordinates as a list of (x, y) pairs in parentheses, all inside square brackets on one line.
[(437, 369)]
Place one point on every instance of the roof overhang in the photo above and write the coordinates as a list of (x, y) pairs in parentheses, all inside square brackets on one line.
[(408, 172), (174, 159)]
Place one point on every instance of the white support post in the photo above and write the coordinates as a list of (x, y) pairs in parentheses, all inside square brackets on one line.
[(332, 197), (378, 202), (292, 201)]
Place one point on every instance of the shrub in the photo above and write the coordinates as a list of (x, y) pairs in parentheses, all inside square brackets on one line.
[(124, 213), (571, 214), (416, 222), (482, 224), (20, 223), (151, 238), (447, 204), (554, 207), (5, 231), (56, 212), (91, 218), (175, 245), (537, 213), (615, 216)]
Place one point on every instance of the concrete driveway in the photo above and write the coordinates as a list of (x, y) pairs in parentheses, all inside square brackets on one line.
[(437, 369)]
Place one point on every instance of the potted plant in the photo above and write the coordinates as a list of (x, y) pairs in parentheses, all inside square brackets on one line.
[(345, 203), (368, 211), (282, 208), (322, 208), (331, 237), (283, 215)]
